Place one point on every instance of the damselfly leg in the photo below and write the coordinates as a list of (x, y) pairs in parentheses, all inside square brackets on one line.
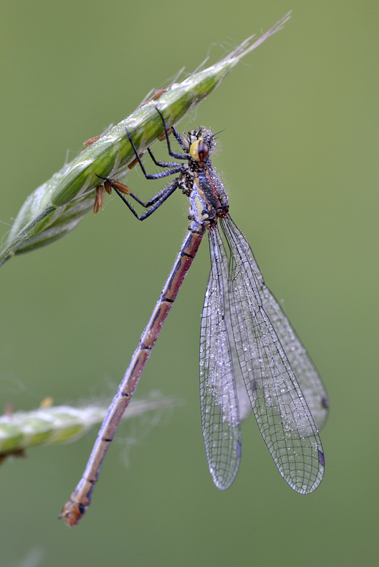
[(174, 168)]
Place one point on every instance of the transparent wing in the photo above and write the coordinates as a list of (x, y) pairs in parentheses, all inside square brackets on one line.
[(218, 394), (305, 371), (282, 414)]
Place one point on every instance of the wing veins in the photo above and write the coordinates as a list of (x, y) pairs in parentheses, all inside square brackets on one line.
[(218, 395), (279, 406)]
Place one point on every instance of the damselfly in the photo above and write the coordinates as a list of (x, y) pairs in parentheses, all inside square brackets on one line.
[(250, 356)]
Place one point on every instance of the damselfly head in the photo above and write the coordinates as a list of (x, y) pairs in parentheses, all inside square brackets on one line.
[(199, 150), (200, 143)]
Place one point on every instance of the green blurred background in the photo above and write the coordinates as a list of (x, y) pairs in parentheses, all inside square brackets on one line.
[(299, 157)]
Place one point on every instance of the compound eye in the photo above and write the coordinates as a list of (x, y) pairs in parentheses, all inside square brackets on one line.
[(203, 150), (199, 150)]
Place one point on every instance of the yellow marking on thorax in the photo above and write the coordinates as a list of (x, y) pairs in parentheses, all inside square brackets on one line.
[(198, 187)]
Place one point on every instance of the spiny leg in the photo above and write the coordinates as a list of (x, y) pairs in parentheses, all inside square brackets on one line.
[(117, 185), (179, 140), (163, 195), (177, 169), (161, 163), (158, 199), (177, 136)]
